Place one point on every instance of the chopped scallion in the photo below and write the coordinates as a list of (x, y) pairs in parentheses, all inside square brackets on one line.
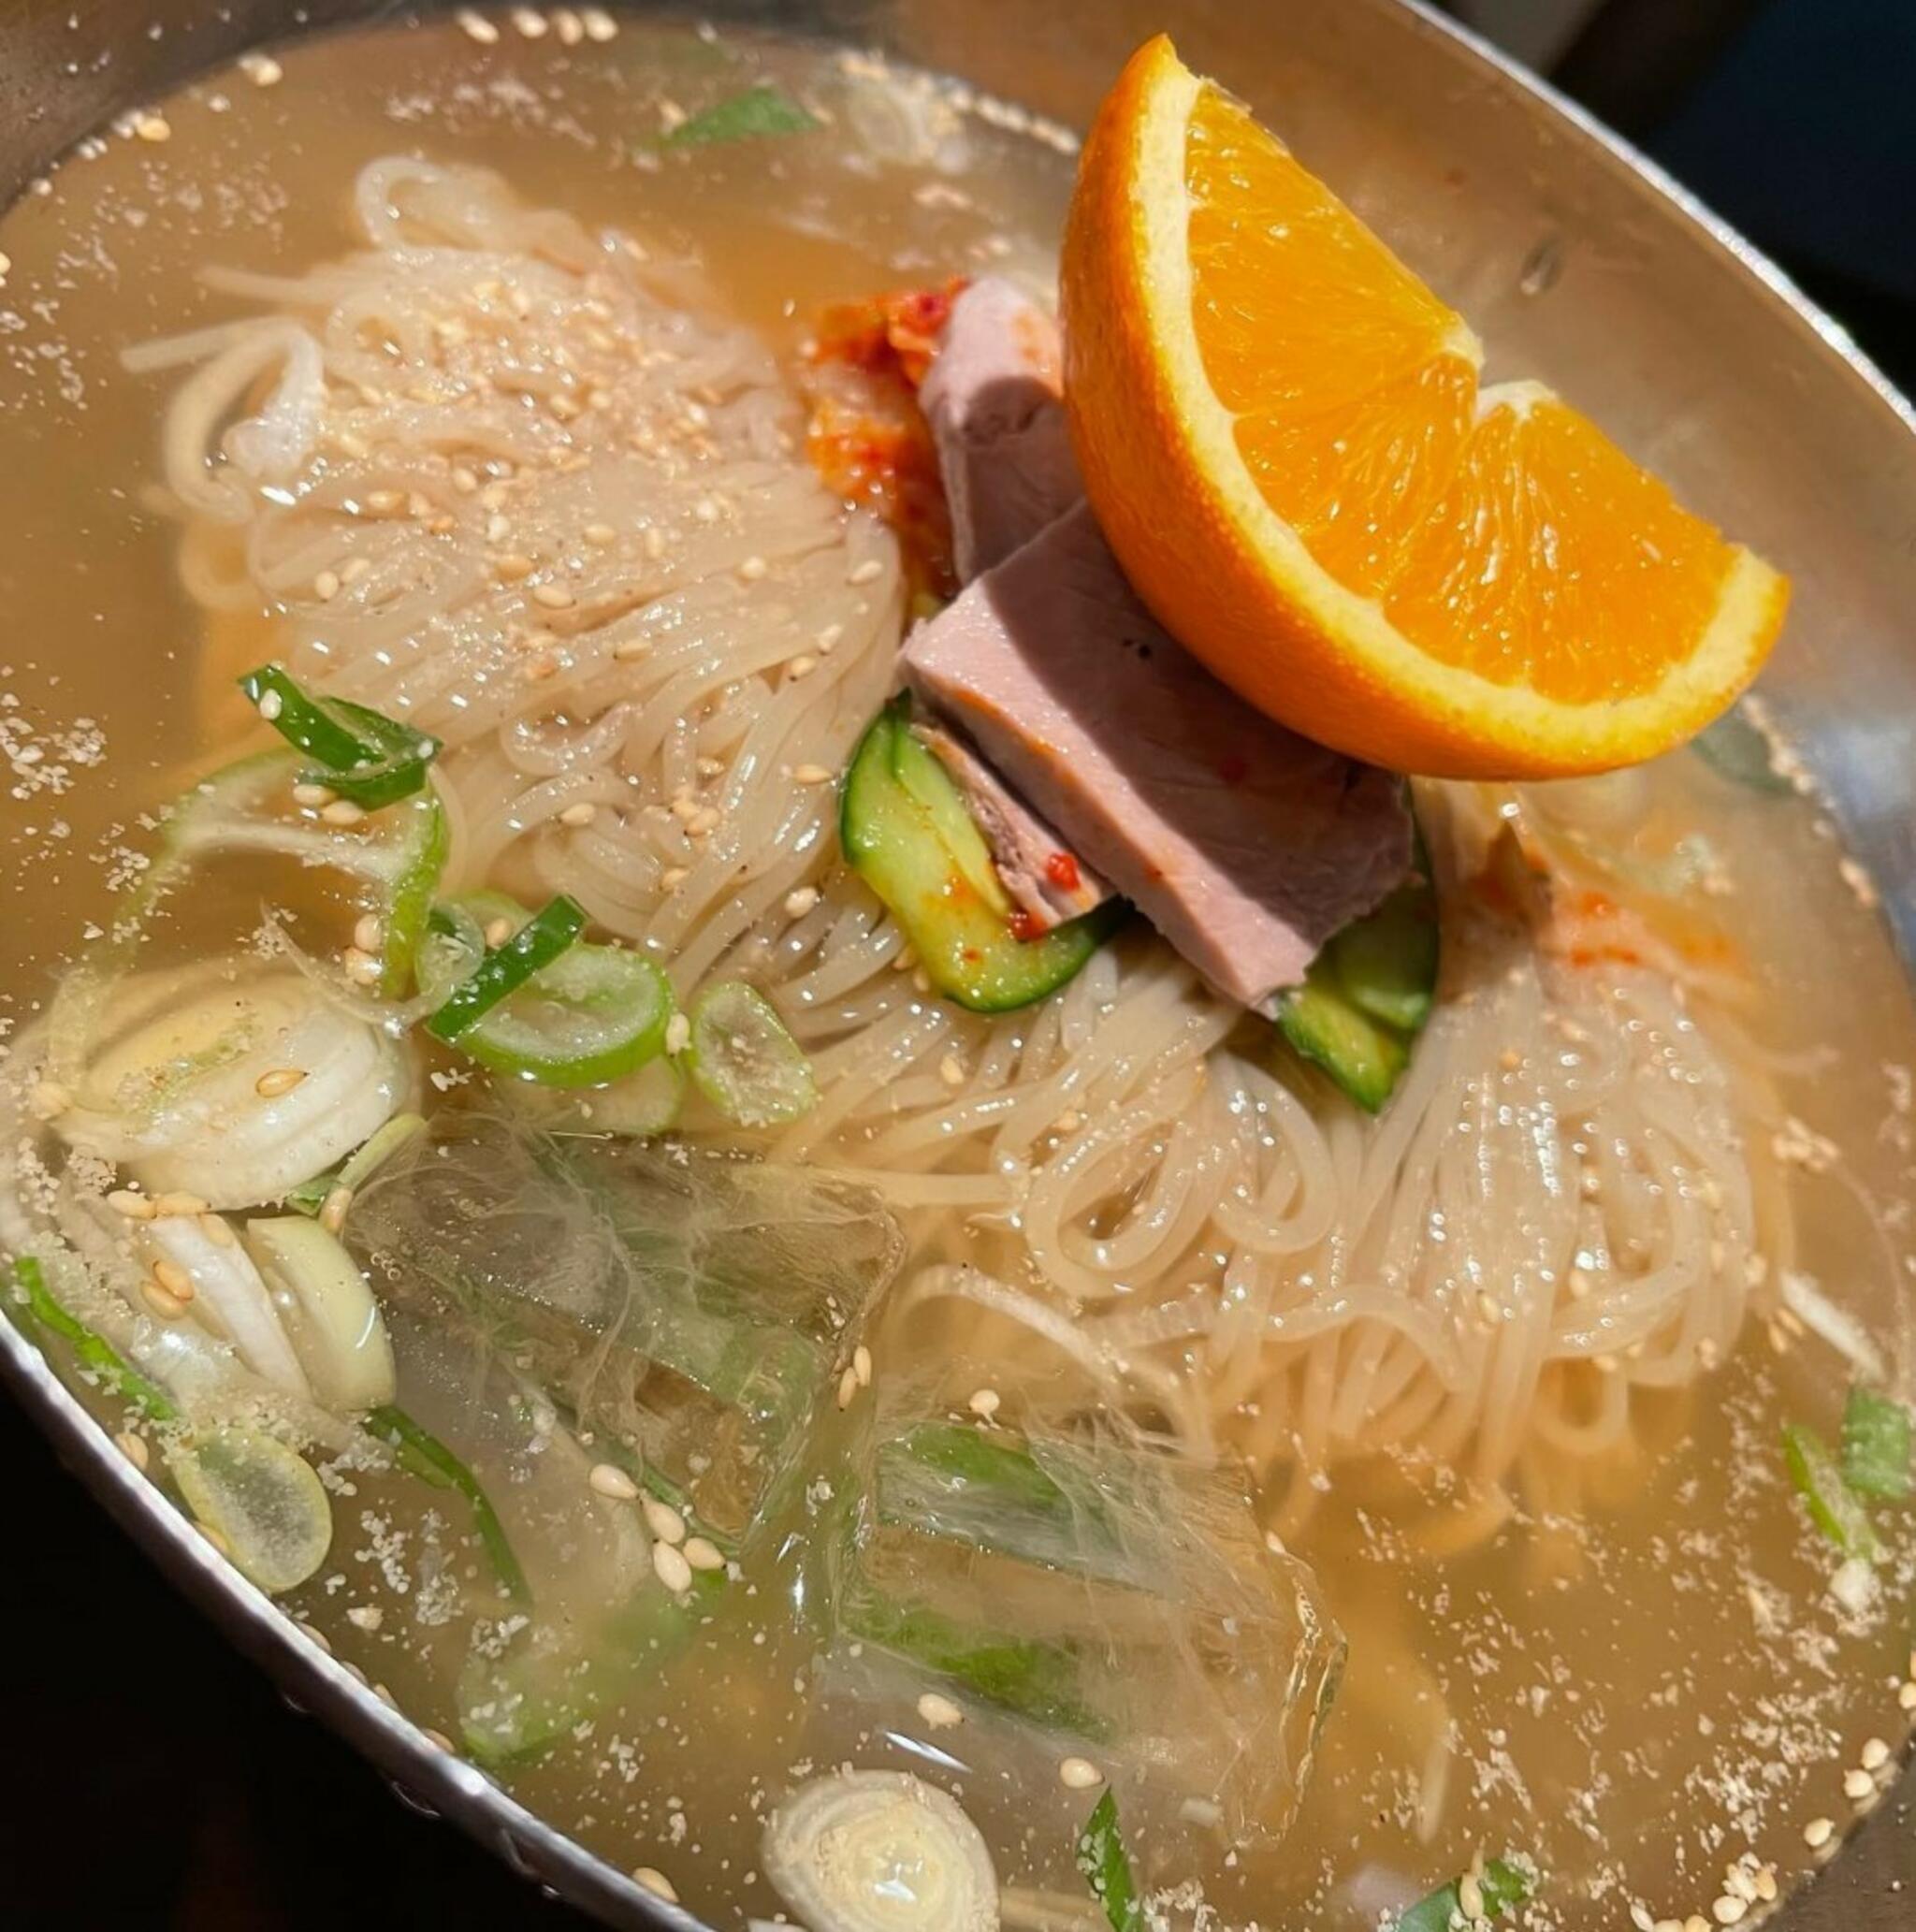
[(1833, 1506), (361, 754), (507, 967), (423, 1455), (1876, 1446), (95, 1353), (752, 115), (1106, 1867)]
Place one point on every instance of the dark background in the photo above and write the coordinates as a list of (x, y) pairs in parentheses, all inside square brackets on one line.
[(191, 1798)]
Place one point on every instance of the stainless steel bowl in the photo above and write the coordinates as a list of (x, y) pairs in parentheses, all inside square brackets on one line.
[(1579, 262)]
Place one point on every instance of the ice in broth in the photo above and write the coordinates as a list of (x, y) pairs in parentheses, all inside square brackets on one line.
[(688, 1482)]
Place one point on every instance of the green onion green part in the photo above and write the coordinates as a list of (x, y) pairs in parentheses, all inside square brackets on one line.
[(1834, 1506), (507, 967), (1106, 1867), (360, 753), (1876, 1446), (1501, 1888), (423, 1455), (757, 112), (95, 1353)]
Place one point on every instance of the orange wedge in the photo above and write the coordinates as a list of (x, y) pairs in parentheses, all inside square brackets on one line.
[(1283, 435)]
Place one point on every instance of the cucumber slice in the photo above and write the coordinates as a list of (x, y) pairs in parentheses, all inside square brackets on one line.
[(744, 1061), (1368, 993), (905, 829), (262, 1498)]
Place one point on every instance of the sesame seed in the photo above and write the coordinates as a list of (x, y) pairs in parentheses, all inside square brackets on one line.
[(49, 1099), (703, 822), (1817, 1833), (1728, 1909), (752, 569), (1068, 1122), (1469, 1895), (673, 1570), (269, 704), (326, 586), (478, 28), (610, 1480), (1876, 1754), (153, 127), (921, 980), (802, 666), (498, 527), (342, 811), (512, 567), (810, 774), (827, 639), (800, 901), (314, 795), (984, 1402), (653, 1880), (135, 1206), (176, 1200), (600, 534), (627, 649), (1906, 1697), (369, 933), (866, 572), (262, 69), (1766, 1883), (174, 1279), (218, 1230), (847, 1386), (702, 1553), (332, 1214), (362, 968), (663, 1520), (940, 1713), (599, 24), (951, 1070), (553, 596), (133, 1447), (581, 814), (169, 1308), (1858, 1784), (679, 1034), (570, 28), (653, 543), (1079, 1774), (497, 931), (280, 1079), (673, 877), (861, 1365), (531, 24), (365, 1616), (438, 1739)]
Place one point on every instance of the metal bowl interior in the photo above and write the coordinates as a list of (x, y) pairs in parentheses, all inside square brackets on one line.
[(1578, 262)]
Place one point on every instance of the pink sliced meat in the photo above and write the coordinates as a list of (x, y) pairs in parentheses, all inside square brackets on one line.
[(991, 397), (1043, 876), (1246, 845)]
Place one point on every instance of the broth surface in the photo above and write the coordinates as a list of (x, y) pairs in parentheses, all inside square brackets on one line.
[(1632, 1694)]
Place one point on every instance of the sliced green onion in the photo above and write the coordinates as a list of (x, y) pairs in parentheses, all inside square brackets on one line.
[(743, 1060), (1833, 1506), (265, 1501), (1106, 1867), (537, 943), (361, 754), (95, 1353), (359, 1166), (594, 1015), (759, 112), (1501, 1888), (1876, 1446), (423, 1453)]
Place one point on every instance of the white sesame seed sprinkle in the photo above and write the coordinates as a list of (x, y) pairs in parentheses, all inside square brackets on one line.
[(528, 23), (262, 69), (752, 569), (951, 1070), (269, 705), (332, 1214), (810, 774), (277, 1080), (1469, 1895), (1906, 1697), (477, 27), (326, 586), (342, 811), (940, 1713), (663, 1520), (154, 128), (673, 877), (1079, 1774), (169, 1308), (984, 1402), (1875, 1754), (866, 572), (367, 1616), (1817, 1833), (861, 1365), (553, 596), (135, 1206), (133, 1447), (649, 1877), (582, 813), (610, 1480), (368, 933), (1730, 1910), (800, 901), (314, 795), (1858, 1784), (847, 1386), (672, 1569), (802, 666), (702, 1553), (176, 1200)]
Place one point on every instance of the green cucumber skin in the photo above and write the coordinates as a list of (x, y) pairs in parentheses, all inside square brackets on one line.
[(966, 947)]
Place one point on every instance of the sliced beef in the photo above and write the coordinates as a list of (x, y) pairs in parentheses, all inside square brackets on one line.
[(992, 400), (1246, 845), (1046, 879)]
